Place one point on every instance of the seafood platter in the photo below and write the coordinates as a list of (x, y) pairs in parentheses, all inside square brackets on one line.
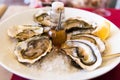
[(58, 43)]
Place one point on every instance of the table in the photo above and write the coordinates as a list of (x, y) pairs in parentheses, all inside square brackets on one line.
[(112, 75)]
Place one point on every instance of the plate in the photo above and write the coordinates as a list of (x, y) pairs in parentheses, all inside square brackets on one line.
[(9, 61)]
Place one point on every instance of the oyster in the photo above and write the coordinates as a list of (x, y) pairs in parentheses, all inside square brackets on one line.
[(42, 17), (33, 49), (89, 37), (77, 25), (23, 32), (84, 53)]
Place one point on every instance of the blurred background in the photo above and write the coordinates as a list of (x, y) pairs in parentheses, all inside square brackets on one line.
[(69, 3)]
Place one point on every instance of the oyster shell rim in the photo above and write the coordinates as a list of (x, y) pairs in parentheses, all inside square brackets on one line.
[(85, 67), (31, 61)]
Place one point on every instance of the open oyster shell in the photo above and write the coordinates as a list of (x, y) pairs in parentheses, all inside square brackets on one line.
[(33, 49), (43, 18), (84, 53), (89, 37), (77, 25), (23, 32)]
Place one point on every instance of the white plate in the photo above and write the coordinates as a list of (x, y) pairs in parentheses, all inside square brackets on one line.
[(9, 61)]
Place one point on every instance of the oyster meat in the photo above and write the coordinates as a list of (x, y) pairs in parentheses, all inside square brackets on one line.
[(42, 17), (33, 49), (84, 53), (23, 32), (77, 25)]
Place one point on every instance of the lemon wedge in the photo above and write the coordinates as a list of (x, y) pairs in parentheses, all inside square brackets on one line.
[(102, 31)]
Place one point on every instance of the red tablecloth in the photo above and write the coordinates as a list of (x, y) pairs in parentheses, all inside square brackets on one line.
[(113, 74), (114, 17)]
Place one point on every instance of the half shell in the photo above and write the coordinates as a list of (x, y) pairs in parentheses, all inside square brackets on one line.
[(76, 22), (43, 18), (33, 49), (84, 53), (77, 25), (89, 37), (23, 32)]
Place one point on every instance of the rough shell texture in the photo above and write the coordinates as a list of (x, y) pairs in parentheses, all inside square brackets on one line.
[(32, 49), (23, 32), (88, 56), (43, 18)]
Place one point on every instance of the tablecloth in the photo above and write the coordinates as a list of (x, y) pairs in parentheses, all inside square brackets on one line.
[(111, 75), (114, 17)]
